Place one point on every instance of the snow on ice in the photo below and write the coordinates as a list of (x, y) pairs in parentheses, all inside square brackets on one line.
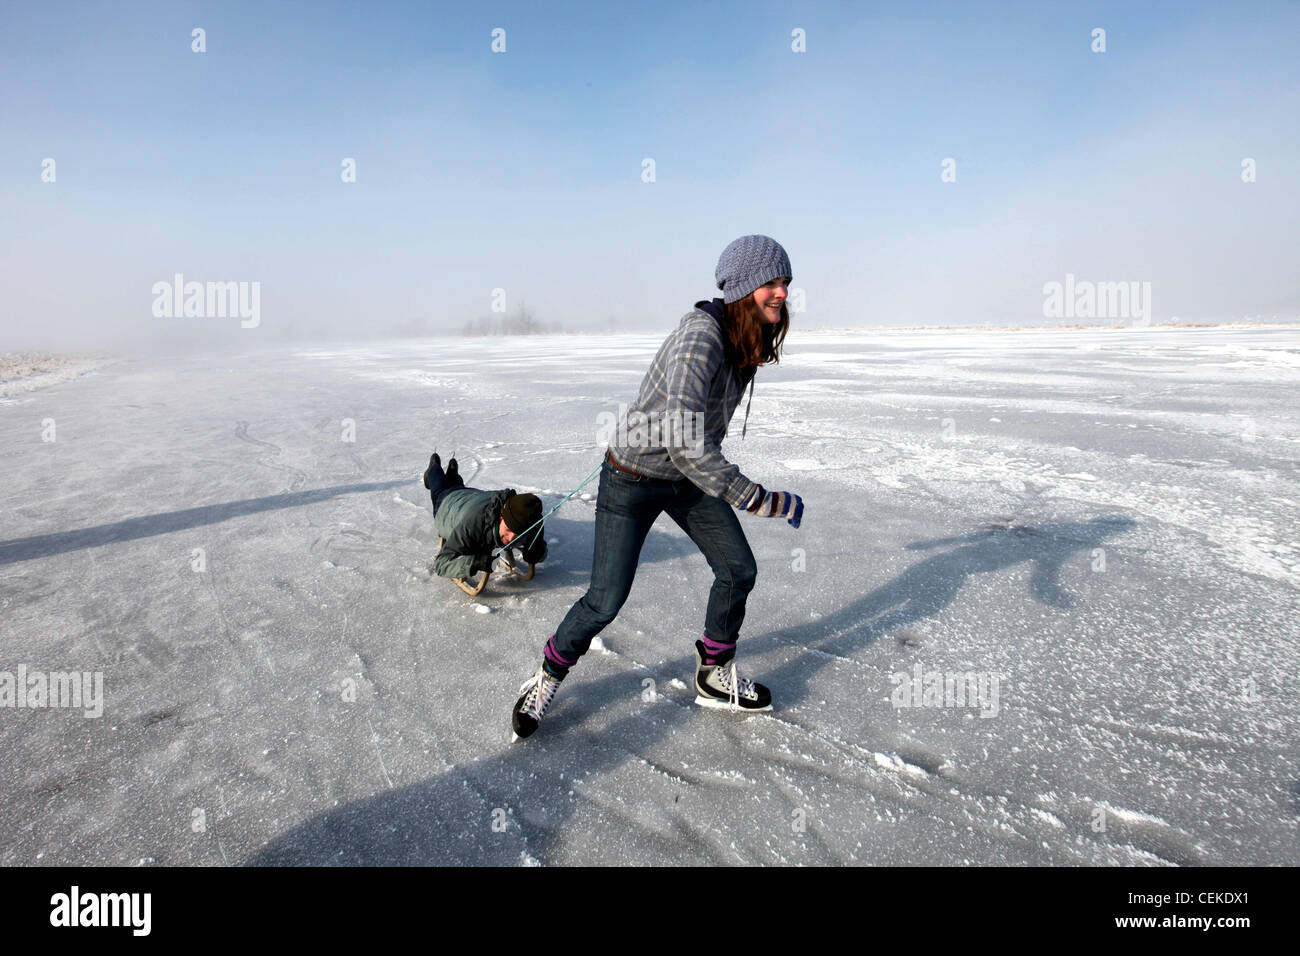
[(1104, 521)]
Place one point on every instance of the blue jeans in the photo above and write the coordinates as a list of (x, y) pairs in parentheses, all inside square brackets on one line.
[(626, 507)]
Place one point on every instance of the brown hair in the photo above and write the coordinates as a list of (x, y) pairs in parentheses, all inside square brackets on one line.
[(752, 341)]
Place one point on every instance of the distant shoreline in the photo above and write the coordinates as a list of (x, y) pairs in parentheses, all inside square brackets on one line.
[(1050, 328), (28, 370), (22, 372)]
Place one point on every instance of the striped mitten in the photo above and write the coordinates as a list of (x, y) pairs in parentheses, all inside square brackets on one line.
[(775, 504)]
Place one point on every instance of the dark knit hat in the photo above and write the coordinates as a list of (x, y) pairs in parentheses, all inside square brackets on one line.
[(521, 512), (747, 263)]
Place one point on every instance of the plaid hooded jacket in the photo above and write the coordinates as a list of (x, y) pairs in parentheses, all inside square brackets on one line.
[(689, 375)]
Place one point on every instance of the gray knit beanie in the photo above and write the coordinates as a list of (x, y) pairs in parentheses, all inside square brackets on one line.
[(749, 262)]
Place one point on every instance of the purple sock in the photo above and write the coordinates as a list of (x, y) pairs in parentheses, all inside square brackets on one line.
[(714, 649), (557, 664)]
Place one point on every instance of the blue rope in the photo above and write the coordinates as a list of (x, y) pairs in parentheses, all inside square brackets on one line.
[(586, 481)]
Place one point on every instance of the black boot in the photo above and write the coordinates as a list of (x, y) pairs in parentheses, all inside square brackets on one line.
[(434, 462)]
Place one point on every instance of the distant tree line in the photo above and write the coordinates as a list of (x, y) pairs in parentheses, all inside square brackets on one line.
[(523, 322)]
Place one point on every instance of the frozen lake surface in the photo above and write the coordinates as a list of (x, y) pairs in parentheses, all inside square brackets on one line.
[(1099, 527)]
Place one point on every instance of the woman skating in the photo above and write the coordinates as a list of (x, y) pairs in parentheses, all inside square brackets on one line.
[(666, 458)]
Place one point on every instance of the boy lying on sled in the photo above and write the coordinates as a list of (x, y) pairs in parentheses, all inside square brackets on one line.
[(474, 523)]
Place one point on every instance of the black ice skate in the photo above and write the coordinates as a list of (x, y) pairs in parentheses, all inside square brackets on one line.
[(718, 685), (537, 693)]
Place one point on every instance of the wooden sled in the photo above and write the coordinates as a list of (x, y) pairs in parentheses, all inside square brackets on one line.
[(477, 589)]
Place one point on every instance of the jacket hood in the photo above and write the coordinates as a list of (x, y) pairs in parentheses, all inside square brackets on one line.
[(718, 309), (499, 500)]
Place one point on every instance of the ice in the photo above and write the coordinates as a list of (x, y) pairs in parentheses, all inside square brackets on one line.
[(1102, 520)]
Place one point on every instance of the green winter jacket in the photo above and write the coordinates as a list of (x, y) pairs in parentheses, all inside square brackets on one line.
[(469, 521)]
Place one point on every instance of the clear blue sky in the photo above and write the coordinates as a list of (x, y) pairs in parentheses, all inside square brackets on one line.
[(522, 170)]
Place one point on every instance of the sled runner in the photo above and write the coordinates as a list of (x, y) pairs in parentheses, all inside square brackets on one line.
[(476, 589), (508, 556)]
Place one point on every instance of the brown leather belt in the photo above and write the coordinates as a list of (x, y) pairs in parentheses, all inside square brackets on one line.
[(609, 455)]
